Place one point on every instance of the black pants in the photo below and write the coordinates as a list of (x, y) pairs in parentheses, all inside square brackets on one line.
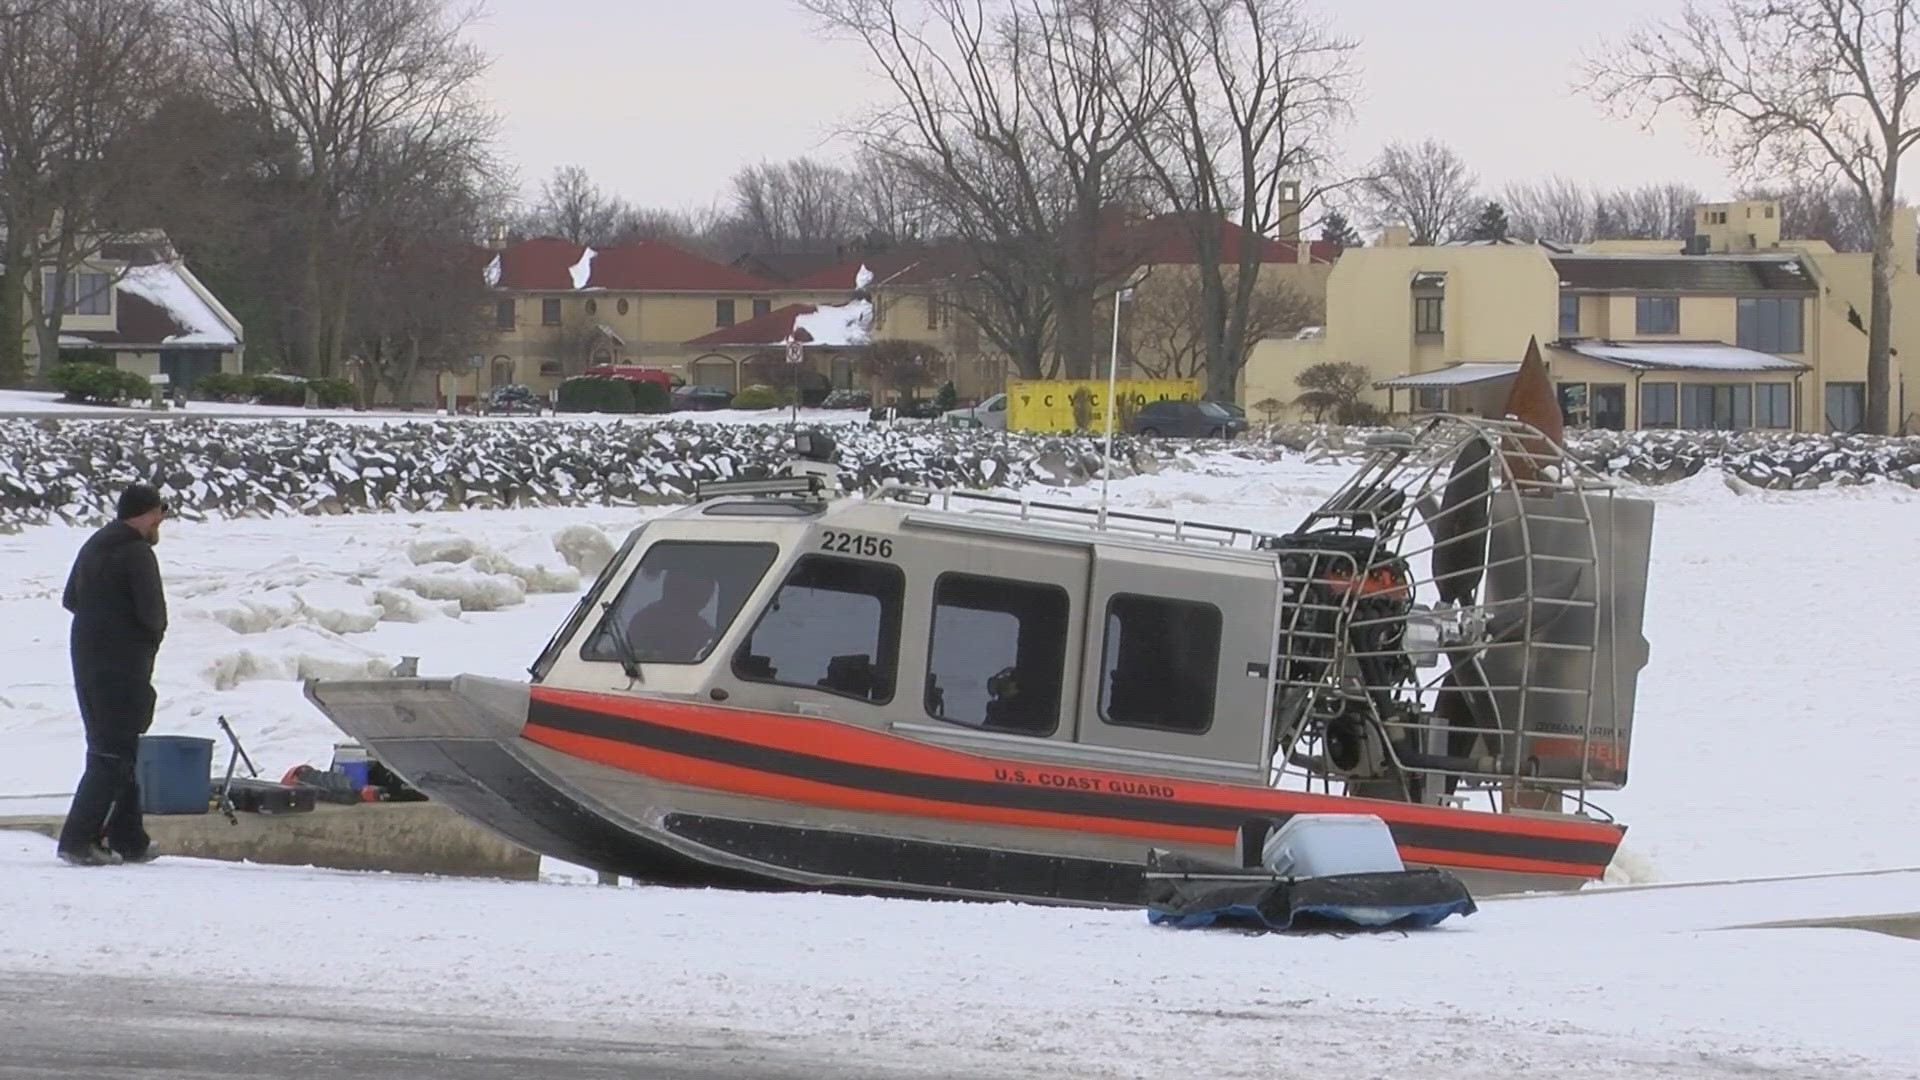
[(117, 711)]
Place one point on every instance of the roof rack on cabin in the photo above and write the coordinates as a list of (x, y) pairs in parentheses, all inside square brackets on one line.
[(1076, 517)]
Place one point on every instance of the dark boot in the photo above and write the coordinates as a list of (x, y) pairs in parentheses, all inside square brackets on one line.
[(141, 857), (89, 855)]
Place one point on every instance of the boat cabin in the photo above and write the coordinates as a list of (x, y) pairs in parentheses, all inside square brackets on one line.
[(998, 624)]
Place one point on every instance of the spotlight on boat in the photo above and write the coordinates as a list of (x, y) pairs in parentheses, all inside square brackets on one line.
[(814, 446)]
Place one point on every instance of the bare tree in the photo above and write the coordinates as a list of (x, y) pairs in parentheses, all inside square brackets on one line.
[(572, 207), (1254, 92), (1809, 89), (1426, 187), (77, 80), (362, 88), (1555, 209), (1647, 212), (801, 205), (1165, 324), (1004, 114)]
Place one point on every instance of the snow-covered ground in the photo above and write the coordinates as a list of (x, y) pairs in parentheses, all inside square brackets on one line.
[(1767, 742)]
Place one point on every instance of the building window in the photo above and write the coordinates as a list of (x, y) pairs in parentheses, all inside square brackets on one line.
[(503, 314), (88, 292), (761, 306), (1773, 405), (1430, 399), (1569, 314), (834, 626), (998, 654), (1659, 405), (723, 313), (1846, 405), (1159, 664), (1656, 314), (552, 368), (1607, 406), (880, 306), (682, 598), (1427, 315), (1716, 408), (1770, 324), (593, 307), (550, 311), (623, 307), (934, 311)]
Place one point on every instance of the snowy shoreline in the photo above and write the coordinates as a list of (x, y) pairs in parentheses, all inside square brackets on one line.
[(68, 471)]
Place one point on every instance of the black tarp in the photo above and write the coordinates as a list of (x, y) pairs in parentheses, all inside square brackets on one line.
[(1187, 893)]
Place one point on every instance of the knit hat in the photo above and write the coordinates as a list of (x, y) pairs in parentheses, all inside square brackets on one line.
[(139, 499)]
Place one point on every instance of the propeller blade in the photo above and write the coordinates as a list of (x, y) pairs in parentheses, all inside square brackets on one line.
[(1460, 526)]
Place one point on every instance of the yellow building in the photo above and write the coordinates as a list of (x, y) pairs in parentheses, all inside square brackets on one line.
[(1735, 329)]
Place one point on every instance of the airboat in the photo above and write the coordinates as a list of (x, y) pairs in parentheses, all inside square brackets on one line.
[(941, 694)]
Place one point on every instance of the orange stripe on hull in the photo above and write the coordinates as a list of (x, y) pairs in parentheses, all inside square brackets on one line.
[(740, 780), (848, 743)]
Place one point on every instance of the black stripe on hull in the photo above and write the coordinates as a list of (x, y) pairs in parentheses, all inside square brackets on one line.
[(879, 778), (919, 865)]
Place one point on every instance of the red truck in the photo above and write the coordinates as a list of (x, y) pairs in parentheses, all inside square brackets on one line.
[(635, 372)]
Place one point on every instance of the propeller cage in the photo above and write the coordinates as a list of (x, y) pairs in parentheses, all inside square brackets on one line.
[(1463, 613)]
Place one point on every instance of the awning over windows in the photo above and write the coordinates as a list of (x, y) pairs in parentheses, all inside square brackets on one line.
[(1465, 374)]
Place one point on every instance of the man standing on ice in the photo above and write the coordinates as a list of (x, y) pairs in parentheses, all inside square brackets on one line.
[(119, 618)]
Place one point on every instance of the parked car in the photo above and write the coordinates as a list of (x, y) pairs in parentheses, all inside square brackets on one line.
[(513, 399), (1187, 419), (701, 398), (848, 399), (906, 410), (991, 413)]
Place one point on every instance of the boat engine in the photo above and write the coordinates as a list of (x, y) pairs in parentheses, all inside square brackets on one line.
[(1474, 551)]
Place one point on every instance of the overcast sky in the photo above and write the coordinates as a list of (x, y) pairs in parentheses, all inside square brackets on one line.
[(661, 100)]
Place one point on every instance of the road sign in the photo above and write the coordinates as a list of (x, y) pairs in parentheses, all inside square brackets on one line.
[(795, 353)]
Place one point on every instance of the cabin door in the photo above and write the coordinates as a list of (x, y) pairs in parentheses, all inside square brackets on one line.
[(1178, 655), (1004, 631)]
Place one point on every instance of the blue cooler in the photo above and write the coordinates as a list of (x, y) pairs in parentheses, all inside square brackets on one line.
[(351, 758), (174, 772)]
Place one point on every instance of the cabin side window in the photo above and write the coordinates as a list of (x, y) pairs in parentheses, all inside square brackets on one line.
[(833, 626), (679, 602), (1160, 663), (997, 654)]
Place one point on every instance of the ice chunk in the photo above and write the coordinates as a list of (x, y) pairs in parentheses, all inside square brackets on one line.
[(585, 548), (475, 591), (440, 549)]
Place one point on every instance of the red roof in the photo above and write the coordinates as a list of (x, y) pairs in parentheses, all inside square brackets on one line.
[(1167, 241), (772, 328), (651, 265)]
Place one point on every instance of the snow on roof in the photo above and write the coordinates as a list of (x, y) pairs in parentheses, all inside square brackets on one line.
[(835, 324), (161, 285), (1464, 374), (583, 269), (1683, 356), (492, 273)]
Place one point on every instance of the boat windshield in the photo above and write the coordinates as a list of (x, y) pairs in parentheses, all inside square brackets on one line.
[(679, 602)]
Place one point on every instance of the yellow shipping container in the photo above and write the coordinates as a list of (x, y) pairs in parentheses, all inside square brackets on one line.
[(1048, 404)]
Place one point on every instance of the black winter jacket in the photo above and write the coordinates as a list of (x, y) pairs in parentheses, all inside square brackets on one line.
[(119, 609)]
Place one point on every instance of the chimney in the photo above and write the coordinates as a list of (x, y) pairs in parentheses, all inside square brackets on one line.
[(1286, 211), (1396, 236)]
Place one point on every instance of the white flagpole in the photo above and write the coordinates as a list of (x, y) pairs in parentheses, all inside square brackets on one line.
[(1113, 369)]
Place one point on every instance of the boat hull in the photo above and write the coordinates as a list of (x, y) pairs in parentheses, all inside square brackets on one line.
[(685, 793)]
